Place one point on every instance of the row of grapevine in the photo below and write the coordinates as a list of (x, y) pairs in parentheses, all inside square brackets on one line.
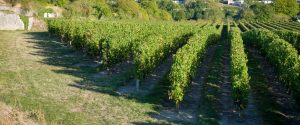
[(281, 54), (294, 24), (121, 47), (186, 60), (85, 35), (273, 26), (156, 48), (113, 41), (117, 46), (239, 70), (250, 26), (295, 27), (243, 27), (284, 27), (256, 25), (291, 37), (265, 26)]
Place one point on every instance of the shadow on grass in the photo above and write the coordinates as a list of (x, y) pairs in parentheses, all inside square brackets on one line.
[(90, 71), (73, 63)]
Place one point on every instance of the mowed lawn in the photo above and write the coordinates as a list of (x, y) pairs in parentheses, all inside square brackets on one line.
[(54, 84)]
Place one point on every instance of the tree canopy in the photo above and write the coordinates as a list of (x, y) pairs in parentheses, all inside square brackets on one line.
[(167, 9)]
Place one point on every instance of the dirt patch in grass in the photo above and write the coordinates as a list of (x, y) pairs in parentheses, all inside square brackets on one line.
[(10, 116), (146, 85)]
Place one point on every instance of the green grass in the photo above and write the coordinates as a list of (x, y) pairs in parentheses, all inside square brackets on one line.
[(37, 77), (210, 104), (25, 20)]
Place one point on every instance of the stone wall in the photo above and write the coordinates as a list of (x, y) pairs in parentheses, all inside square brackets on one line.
[(10, 22), (31, 20)]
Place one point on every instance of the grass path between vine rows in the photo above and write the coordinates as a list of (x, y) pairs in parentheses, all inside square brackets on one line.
[(54, 84), (229, 114), (189, 107), (275, 104)]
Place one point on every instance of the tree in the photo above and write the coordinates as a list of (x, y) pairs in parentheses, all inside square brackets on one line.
[(247, 14), (293, 8), (153, 10), (195, 9), (263, 11), (175, 10), (130, 9), (213, 11), (88, 8), (62, 3), (288, 7), (179, 15)]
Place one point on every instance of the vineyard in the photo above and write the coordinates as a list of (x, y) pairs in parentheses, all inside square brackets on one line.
[(137, 72), (240, 64)]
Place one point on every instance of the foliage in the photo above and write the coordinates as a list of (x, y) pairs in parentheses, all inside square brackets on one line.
[(239, 70), (213, 11), (177, 12), (156, 47), (280, 10), (195, 10), (130, 9), (247, 14), (288, 7), (60, 3), (263, 12), (201, 9), (153, 10), (117, 41), (88, 8), (230, 12), (291, 37)]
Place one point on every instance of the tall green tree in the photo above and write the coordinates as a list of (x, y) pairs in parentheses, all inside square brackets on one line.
[(288, 7), (177, 11), (293, 8), (152, 8), (263, 11)]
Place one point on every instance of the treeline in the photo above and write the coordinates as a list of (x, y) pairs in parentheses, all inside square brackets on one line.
[(278, 10), (133, 9)]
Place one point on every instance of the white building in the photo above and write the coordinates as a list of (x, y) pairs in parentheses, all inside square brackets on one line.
[(179, 1), (234, 2), (50, 15), (266, 1)]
